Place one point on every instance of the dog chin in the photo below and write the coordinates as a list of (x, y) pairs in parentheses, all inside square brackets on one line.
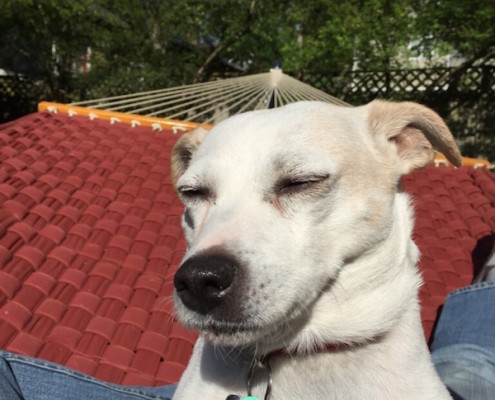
[(220, 337), (228, 333), (247, 331)]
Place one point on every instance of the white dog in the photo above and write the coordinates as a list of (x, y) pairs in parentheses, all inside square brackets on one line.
[(300, 272)]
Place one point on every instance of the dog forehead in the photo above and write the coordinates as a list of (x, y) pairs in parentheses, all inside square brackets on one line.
[(293, 129)]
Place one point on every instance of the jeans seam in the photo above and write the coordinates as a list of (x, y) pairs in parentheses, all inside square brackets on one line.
[(480, 286)]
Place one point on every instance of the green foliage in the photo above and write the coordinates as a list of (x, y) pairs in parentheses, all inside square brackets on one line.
[(334, 35), (31, 29), (150, 41), (466, 26)]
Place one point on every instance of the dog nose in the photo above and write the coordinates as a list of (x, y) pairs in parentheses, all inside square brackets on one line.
[(202, 282)]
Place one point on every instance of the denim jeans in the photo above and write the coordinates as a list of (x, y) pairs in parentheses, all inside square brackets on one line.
[(463, 347), (25, 378), (463, 351)]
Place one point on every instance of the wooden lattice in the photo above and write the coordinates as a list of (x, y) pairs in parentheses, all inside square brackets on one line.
[(408, 83), (18, 96)]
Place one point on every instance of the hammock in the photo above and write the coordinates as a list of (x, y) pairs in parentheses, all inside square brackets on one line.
[(182, 108)]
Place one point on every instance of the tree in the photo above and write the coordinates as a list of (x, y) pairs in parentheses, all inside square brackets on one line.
[(464, 26), (155, 43), (335, 36), (192, 40), (41, 38)]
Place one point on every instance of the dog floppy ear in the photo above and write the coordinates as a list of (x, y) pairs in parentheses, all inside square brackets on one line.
[(183, 150), (415, 130)]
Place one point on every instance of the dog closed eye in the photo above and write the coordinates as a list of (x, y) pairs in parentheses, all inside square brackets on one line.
[(191, 193), (288, 186)]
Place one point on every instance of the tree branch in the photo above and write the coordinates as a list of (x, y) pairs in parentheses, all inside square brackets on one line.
[(226, 44)]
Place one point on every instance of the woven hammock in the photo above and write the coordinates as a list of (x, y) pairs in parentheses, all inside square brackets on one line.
[(211, 102), (182, 108)]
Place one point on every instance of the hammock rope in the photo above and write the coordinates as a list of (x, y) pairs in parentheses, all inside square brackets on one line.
[(210, 102)]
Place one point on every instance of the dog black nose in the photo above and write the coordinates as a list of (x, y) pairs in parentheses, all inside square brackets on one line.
[(202, 282)]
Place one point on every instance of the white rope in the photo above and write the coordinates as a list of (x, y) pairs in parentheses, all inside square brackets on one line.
[(213, 101), (184, 92), (224, 92), (170, 93), (245, 93), (252, 95), (144, 94)]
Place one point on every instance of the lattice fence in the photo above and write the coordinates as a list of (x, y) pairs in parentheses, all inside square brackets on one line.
[(411, 83), (18, 96)]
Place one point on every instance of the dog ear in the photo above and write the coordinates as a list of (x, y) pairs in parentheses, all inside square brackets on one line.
[(183, 150), (415, 130)]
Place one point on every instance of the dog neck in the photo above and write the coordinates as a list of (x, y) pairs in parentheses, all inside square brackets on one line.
[(262, 366), (328, 348)]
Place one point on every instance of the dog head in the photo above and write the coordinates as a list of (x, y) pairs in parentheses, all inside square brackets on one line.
[(278, 202)]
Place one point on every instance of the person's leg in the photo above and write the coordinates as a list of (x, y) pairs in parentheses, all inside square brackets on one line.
[(463, 347), (8, 385), (25, 378)]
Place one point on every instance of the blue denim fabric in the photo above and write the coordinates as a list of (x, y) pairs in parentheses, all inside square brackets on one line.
[(25, 378), (467, 370), (463, 347)]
